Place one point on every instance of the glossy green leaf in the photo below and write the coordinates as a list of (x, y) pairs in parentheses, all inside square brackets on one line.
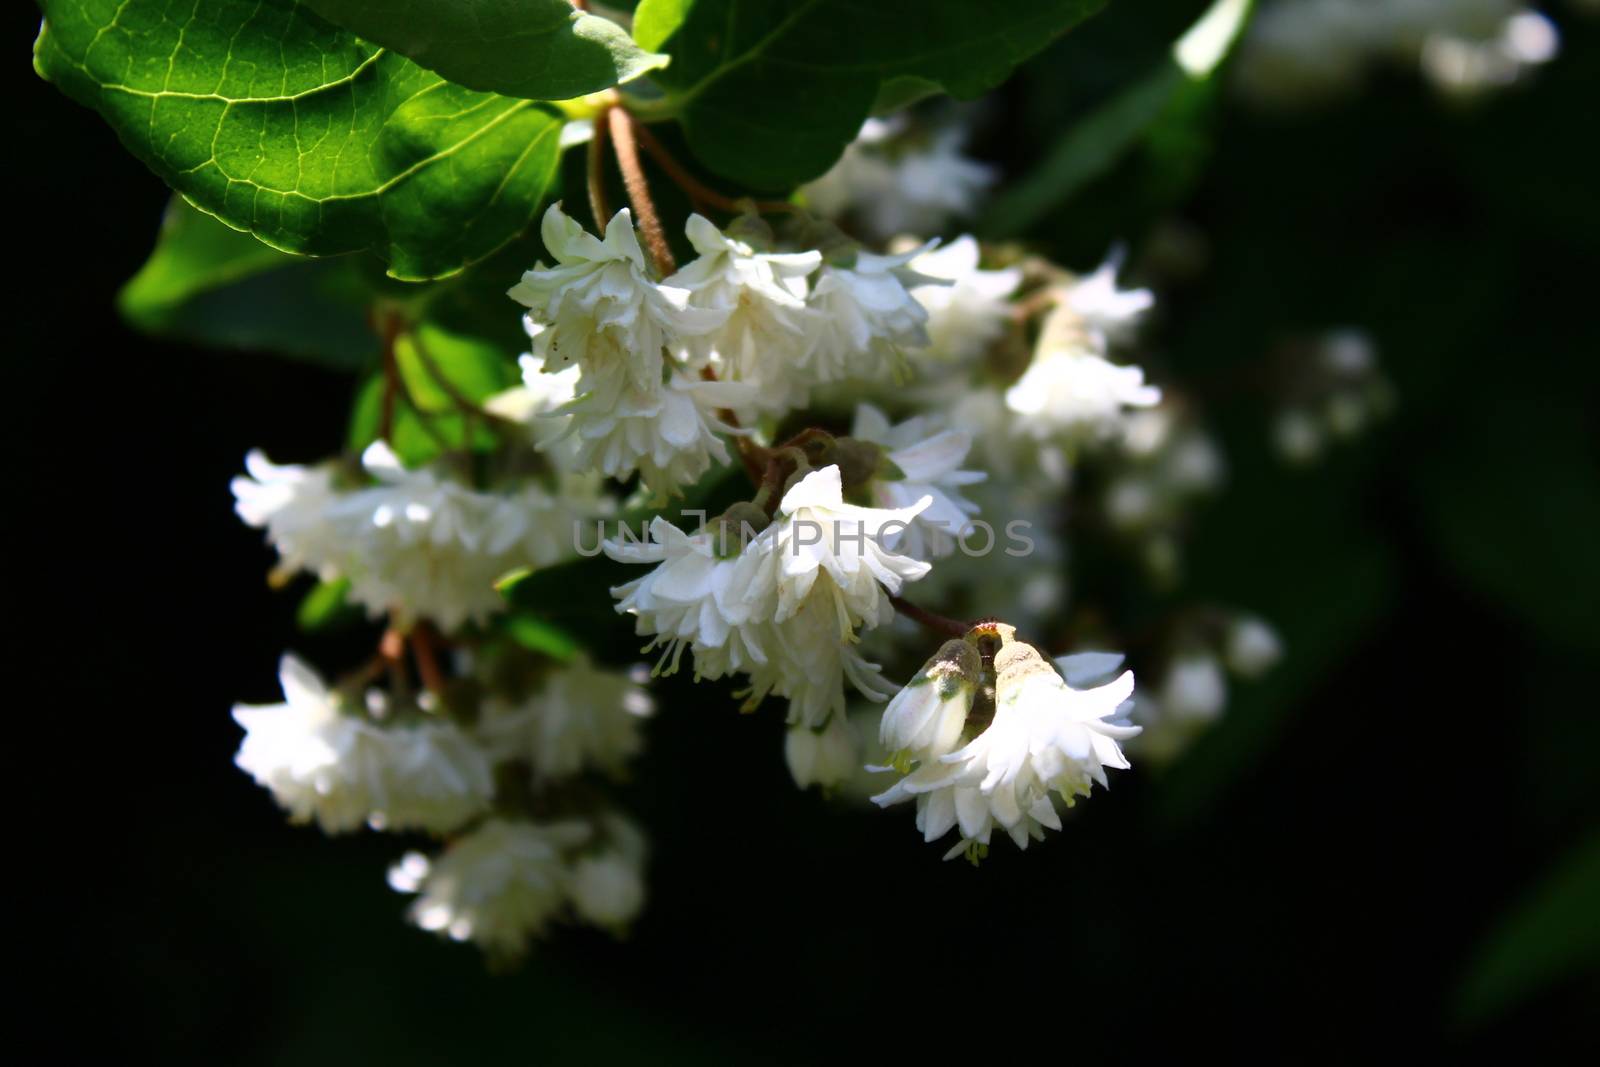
[(279, 123), (540, 49), (769, 94), (1177, 89), (212, 285)]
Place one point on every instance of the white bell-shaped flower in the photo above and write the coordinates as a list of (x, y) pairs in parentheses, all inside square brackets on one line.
[(971, 313), (602, 310), (582, 718), (498, 886), (924, 720), (1046, 737), (865, 316), (926, 463), (763, 296), (321, 765)]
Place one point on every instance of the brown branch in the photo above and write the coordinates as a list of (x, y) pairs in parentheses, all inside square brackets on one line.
[(422, 648), (932, 620), (699, 192), (633, 179), (597, 179)]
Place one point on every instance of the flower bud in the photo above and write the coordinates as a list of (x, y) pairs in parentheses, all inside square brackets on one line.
[(925, 719), (858, 461), (734, 528)]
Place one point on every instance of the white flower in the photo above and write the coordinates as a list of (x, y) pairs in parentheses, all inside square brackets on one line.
[(603, 311), (497, 886), (929, 461), (583, 717), (1076, 391), (821, 757), (539, 400), (925, 719), (894, 186), (967, 316), (1194, 687), (810, 657), (608, 884), (1253, 647), (668, 432), (864, 315), (1110, 314), (763, 296), (837, 552), (422, 545), (689, 599), (438, 778), (291, 503), (1045, 737), (320, 764)]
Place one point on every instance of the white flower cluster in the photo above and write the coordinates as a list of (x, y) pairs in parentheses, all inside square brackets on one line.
[(342, 766), (417, 544), (509, 879), (896, 179), (785, 608), (1045, 737), (739, 329), (1309, 49)]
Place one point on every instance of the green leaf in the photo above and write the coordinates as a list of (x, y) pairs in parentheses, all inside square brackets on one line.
[(215, 286), (325, 607), (1178, 89), (540, 49), (1553, 933), (471, 368), (655, 21), (769, 94), (538, 635), (279, 123)]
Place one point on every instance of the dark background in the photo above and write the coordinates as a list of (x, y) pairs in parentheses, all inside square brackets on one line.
[(1327, 873)]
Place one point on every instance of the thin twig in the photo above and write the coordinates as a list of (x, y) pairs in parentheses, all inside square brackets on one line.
[(389, 330), (422, 648), (701, 193), (633, 179), (932, 620), (597, 181)]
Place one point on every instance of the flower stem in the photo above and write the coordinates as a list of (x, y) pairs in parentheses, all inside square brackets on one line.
[(627, 151), (597, 183), (702, 194), (932, 620)]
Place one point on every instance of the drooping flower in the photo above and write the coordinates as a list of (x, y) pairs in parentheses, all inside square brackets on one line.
[(1111, 315), (892, 183), (926, 464), (291, 503), (763, 296), (689, 599), (600, 306), (838, 552), (498, 886), (1046, 737), (968, 315), (864, 317), (668, 433), (438, 778), (321, 765), (608, 882), (925, 719), (1076, 391), (821, 757), (582, 718)]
